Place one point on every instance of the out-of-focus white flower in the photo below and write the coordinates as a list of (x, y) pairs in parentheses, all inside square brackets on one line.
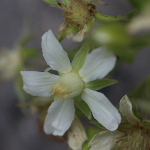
[(9, 63), (134, 135), (70, 84), (141, 22), (76, 135)]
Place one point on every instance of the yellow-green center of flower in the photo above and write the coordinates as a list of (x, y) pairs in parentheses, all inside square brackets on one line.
[(69, 85), (78, 12)]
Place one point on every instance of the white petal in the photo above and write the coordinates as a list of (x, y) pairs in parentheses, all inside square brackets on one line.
[(38, 83), (60, 116), (105, 140), (76, 135), (54, 54), (97, 65), (125, 108), (103, 111)]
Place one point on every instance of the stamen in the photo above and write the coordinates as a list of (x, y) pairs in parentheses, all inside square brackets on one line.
[(68, 86)]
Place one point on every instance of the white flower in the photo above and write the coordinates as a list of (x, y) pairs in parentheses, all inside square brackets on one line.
[(141, 22), (71, 84)]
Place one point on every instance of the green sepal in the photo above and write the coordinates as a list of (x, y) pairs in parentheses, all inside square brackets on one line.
[(146, 124), (52, 2), (96, 124), (90, 24), (83, 107), (90, 133), (69, 29), (80, 58), (107, 18), (101, 83), (135, 109), (72, 53)]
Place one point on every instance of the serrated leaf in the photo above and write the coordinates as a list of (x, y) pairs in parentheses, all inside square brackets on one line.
[(107, 18), (98, 84), (80, 58), (52, 2), (83, 107)]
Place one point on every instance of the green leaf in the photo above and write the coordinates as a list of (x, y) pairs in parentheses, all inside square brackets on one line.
[(90, 133), (98, 84), (107, 18), (83, 106), (80, 58), (52, 2), (146, 124)]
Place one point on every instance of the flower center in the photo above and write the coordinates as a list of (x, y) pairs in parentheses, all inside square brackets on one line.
[(69, 85)]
